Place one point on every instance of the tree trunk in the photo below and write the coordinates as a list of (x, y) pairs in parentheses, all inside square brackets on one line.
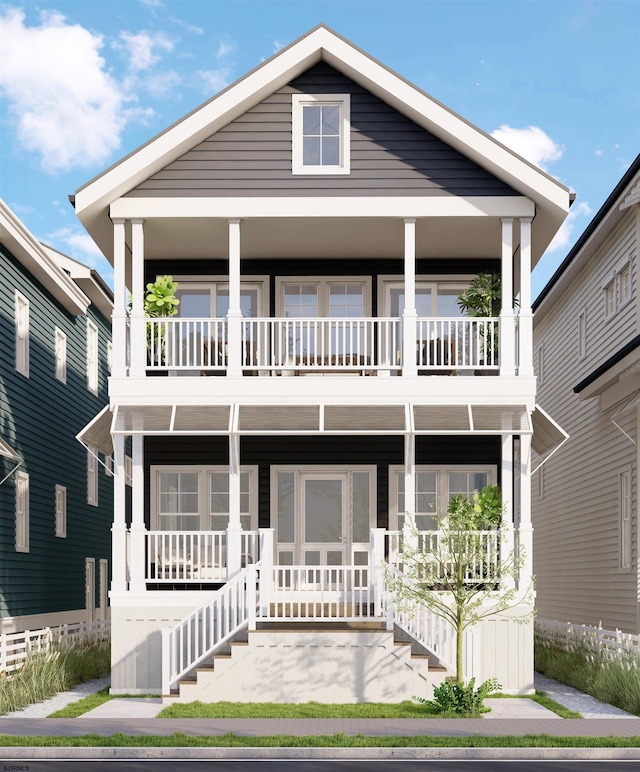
[(459, 652)]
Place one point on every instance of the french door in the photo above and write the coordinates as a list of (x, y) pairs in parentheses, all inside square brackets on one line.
[(323, 517)]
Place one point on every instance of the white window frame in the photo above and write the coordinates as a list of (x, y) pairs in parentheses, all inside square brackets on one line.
[(203, 470), (387, 282), (540, 367), (108, 465), (582, 334), (109, 357), (90, 588), (22, 512), (92, 357), (298, 103), (92, 477), (60, 355), (324, 286), (614, 285), (442, 486), (625, 486), (61, 511), (103, 579), (216, 283), (22, 333)]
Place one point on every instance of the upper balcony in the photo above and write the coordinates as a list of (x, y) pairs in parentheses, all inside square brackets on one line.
[(323, 346)]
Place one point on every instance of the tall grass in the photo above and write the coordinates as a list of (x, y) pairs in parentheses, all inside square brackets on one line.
[(61, 668), (615, 681)]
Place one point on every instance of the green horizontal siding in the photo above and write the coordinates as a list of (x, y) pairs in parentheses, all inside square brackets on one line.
[(39, 418)]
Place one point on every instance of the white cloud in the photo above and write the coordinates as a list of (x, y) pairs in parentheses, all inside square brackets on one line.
[(67, 108), (563, 237), (77, 243), (224, 49), (599, 152), (140, 48), (277, 46), (531, 143), (186, 26), (162, 84), (213, 81), (152, 3)]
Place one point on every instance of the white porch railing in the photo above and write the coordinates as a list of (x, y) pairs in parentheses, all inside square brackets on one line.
[(194, 556), (469, 343), (187, 344), (198, 635), (485, 567)]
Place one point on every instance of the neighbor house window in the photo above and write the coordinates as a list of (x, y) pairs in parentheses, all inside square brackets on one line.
[(61, 511), (625, 520), (22, 334), (92, 477), (104, 588), (582, 334), (90, 588), (22, 512), (321, 126), (61, 355), (540, 368), (109, 357), (128, 471), (617, 290), (92, 357)]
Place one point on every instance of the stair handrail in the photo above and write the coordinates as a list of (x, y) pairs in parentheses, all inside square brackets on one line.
[(195, 637), (431, 631)]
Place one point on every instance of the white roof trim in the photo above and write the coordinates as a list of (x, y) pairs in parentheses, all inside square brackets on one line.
[(550, 436), (550, 196)]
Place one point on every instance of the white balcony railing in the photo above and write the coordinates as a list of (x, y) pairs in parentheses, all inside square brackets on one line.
[(273, 346)]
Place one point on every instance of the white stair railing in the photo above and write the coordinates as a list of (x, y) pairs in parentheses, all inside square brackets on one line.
[(198, 635), (431, 631)]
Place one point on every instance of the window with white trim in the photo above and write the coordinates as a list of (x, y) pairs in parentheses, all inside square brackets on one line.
[(435, 486), (320, 133), (108, 465), (61, 511), (617, 289), (22, 511), (626, 543), (92, 477), (103, 579), (92, 357), (196, 498), (540, 368), (109, 357), (22, 333), (582, 334), (61, 355), (90, 588)]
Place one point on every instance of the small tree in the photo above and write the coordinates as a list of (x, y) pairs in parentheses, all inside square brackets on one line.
[(451, 574)]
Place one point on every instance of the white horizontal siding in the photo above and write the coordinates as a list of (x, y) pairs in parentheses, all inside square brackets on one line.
[(576, 523)]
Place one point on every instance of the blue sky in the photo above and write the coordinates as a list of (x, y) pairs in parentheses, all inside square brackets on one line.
[(84, 82)]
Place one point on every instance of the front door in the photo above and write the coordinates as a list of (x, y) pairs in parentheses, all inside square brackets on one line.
[(323, 515)]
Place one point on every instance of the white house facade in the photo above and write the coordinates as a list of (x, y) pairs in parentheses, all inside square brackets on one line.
[(321, 217)]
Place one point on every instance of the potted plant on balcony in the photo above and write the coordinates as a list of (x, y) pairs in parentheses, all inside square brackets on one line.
[(159, 301), (483, 299)]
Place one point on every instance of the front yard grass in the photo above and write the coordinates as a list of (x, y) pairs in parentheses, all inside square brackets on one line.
[(230, 740)]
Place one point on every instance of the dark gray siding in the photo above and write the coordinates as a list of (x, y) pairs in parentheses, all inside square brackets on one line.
[(322, 450), (39, 418), (390, 154)]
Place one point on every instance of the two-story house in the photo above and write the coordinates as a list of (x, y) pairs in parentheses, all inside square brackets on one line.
[(586, 346), (56, 501), (321, 217)]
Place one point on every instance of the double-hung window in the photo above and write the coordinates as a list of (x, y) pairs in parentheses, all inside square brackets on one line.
[(61, 355), (321, 126), (92, 477), (626, 537), (22, 512), (61, 511), (617, 289), (92, 357)]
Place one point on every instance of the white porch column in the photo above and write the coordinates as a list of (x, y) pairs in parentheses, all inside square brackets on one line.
[(138, 344), (119, 314), (138, 532), (119, 527), (507, 318), (234, 532), (526, 529), (506, 475), (409, 536), (525, 315), (409, 315), (234, 315)]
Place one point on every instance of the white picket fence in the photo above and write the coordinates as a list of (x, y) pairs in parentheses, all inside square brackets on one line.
[(612, 644), (18, 648)]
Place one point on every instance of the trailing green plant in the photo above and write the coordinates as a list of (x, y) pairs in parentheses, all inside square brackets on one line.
[(461, 700), (59, 669)]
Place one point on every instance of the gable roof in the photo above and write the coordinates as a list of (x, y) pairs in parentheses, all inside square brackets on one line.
[(551, 198), (625, 194)]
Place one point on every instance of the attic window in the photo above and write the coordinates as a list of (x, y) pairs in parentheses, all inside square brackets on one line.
[(320, 140)]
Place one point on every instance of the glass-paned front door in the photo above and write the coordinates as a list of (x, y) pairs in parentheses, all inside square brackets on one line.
[(323, 516)]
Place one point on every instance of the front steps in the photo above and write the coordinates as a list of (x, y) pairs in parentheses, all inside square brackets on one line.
[(304, 661)]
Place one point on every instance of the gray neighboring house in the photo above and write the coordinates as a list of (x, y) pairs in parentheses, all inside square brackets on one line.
[(587, 357), (56, 498)]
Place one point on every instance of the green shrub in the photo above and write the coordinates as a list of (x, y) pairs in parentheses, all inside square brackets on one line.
[(461, 700), (60, 669)]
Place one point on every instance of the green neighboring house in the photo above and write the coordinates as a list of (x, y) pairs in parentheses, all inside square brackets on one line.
[(56, 498)]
